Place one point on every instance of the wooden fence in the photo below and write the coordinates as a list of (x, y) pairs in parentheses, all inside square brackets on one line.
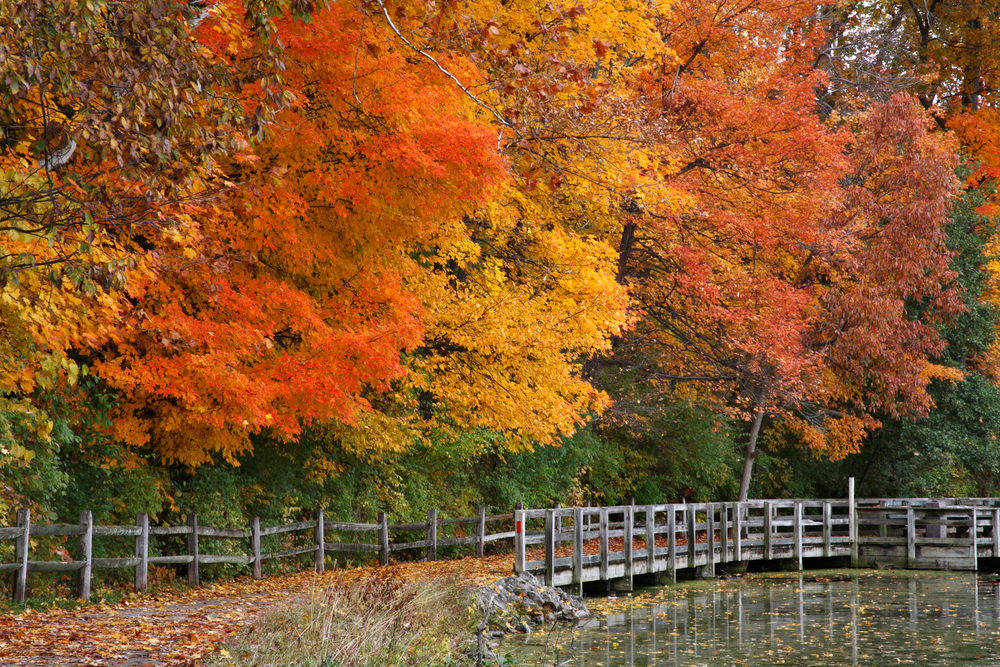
[(571, 546), (320, 531)]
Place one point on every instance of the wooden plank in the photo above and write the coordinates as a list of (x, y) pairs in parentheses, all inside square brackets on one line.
[(57, 530), (578, 549), (169, 530), (22, 547), (798, 534), (114, 563), (383, 539), (550, 546), (340, 546), (289, 552), (602, 528), (456, 541), (116, 531), (255, 546), (288, 527), (194, 578), (142, 552), (211, 531), (319, 535), (519, 531), (170, 560), (432, 535), (402, 546), (911, 534), (10, 533), (499, 536), (481, 531), (500, 517), (87, 555), (234, 560), (351, 527)]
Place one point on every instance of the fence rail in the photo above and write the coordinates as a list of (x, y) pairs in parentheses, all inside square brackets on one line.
[(86, 530)]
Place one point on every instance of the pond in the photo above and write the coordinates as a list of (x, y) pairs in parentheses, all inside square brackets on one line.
[(819, 618)]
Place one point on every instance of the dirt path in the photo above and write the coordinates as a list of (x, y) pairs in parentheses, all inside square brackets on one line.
[(180, 630)]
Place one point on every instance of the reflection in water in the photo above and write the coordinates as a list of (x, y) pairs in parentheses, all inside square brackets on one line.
[(815, 619)]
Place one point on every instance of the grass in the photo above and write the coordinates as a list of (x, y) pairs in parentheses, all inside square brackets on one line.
[(364, 621)]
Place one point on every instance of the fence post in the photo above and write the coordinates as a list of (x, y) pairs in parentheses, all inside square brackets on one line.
[(602, 527), (194, 578), (650, 539), (672, 541), (383, 539), (255, 546), (852, 522), (724, 532), (550, 545), (911, 534), (23, 547), (692, 526), (520, 530), (996, 533), (87, 554), (798, 532), (432, 535), (481, 532), (320, 541), (737, 532), (629, 516), (975, 538), (578, 549), (827, 528), (142, 552), (767, 529), (710, 533)]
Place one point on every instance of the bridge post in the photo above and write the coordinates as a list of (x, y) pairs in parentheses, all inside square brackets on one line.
[(798, 533), (602, 528), (975, 540), (852, 522), (767, 529), (911, 534), (724, 515), (827, 528), (629, 517), (692, 534), (710, 534), (672, 541), (651, 540), (738, 530), (550, 546), (520, 530), (578, 549)]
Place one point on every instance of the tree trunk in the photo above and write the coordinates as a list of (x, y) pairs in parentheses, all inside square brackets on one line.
[(751, 451)]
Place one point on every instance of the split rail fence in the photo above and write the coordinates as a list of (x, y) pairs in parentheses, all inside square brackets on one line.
[(321, 530)]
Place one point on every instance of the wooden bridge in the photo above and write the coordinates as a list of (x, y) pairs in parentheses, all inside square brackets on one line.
[(579, 545)]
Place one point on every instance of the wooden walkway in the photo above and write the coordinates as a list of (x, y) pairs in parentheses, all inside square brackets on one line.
[(572, 546)]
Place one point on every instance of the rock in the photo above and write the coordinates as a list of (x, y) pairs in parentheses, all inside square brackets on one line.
[(527, 597)]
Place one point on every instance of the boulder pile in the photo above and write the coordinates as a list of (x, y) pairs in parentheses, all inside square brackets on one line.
[(526, 598)]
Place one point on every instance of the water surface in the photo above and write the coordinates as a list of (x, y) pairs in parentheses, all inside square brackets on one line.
[(818, 619)]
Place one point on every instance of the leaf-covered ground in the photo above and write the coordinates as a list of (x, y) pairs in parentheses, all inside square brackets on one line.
[(180, 629)]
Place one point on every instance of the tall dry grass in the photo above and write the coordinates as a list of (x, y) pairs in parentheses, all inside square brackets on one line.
[(365, 622)]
